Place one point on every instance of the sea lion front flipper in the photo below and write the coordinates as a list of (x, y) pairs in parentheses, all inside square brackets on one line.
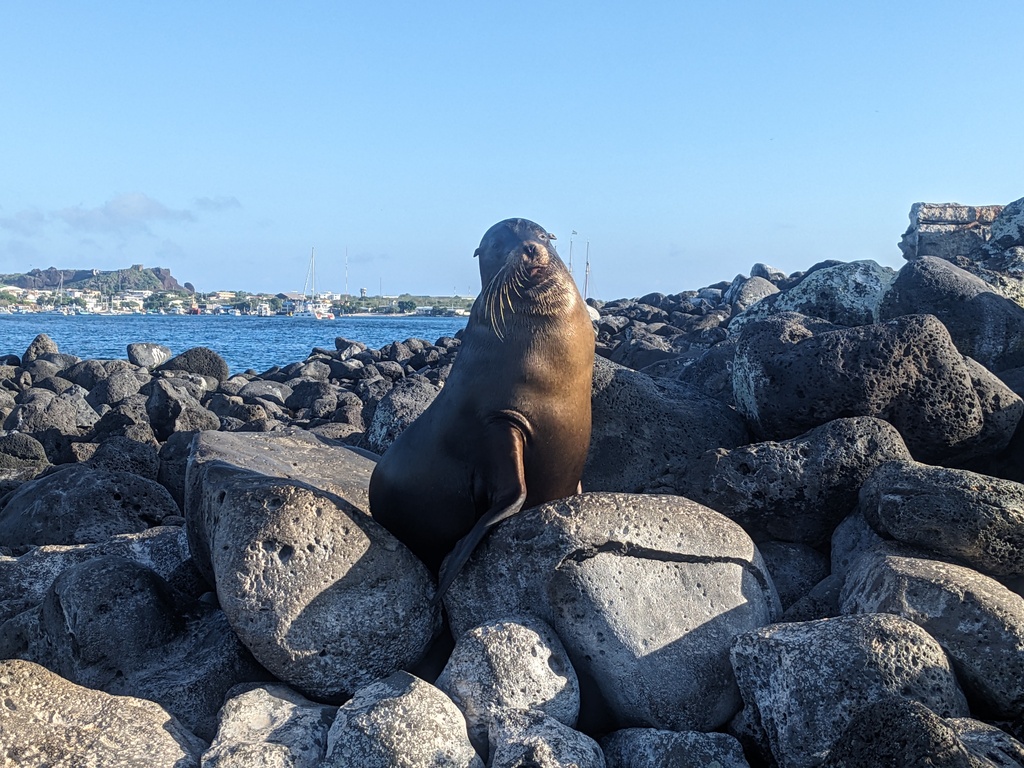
[(506, 492)]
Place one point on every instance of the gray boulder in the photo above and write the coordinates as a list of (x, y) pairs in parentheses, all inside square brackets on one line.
[(318, 397), (116, 387), (25, 580), (88, 373), (1007, 229), (80, 505), (19, 450), (148, 355), (397, 410), (854, 538), (988, 743), (114, 625), (792, 373), (616, 576), (200, 360), (711, 372), (39, 410), (172, 409), (803, 683), (745, 293), (269, 725), (127, 418), (41, 345), (640, 348), (522, 737), (820, 602), (646, 432), (347, 348), (651, 748), (768, 272), (954, 513), (39, 370), (795, 490), (122, 454), (400, 721), (983, 324), (510, 664), (50, 721), (948, 230), (845, 294), (322, 595), (900, 732), (318, 369), (269, 391), (978, 621)]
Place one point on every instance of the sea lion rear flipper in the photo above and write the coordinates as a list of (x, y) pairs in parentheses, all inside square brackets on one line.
[(460, 553), (506, 489)]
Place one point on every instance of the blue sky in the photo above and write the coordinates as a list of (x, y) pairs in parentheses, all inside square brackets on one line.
[(685, 141)]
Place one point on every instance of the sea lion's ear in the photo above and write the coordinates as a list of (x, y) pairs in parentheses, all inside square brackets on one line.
[(476, 253), (551, 237)]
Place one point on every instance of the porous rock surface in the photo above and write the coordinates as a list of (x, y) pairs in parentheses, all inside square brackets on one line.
[(510, 664), (791, 374), (645, 592), (846, 399), (82, 505), (944, 599), (317, 590), (521, 737), (803, 682), (93, 728), (900, 731), (973, 518), (399, 721), (269, 725), (799, 489), (647, 431)]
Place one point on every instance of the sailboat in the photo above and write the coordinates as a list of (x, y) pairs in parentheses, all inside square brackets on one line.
[(311, 308)]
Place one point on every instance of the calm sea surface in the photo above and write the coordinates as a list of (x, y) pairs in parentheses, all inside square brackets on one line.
[(244, 342)]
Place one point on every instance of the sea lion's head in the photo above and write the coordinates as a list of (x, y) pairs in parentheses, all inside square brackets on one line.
[(515, 245), (519, 250), (521, 273)]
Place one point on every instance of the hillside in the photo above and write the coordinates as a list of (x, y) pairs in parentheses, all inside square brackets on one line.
[(137, 278)]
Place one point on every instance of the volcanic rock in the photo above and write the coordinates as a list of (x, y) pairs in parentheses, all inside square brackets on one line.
[(615, 575)]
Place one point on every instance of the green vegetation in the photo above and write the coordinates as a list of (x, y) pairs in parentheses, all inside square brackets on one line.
[(163, 299), (404, 303), (135, 278)]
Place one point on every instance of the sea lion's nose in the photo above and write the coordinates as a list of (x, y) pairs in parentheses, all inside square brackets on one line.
[(535, 253)]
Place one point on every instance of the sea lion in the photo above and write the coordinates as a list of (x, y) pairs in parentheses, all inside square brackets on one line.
[(511, 426)]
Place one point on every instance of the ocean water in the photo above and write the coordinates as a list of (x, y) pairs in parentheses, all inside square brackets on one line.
[(244, 342)]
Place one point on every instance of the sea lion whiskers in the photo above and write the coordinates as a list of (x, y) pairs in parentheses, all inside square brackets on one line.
[(495, 298)]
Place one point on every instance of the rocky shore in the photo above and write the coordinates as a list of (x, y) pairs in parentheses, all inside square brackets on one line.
[(801, 543)]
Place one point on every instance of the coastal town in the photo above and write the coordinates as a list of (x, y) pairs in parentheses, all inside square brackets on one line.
[(19, 295)]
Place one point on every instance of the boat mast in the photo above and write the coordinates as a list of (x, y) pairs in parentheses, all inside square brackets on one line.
[(586, 276)]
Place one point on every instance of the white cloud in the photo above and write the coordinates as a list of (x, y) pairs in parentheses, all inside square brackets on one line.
[(124, 213), (215, 204), (27, 223)]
